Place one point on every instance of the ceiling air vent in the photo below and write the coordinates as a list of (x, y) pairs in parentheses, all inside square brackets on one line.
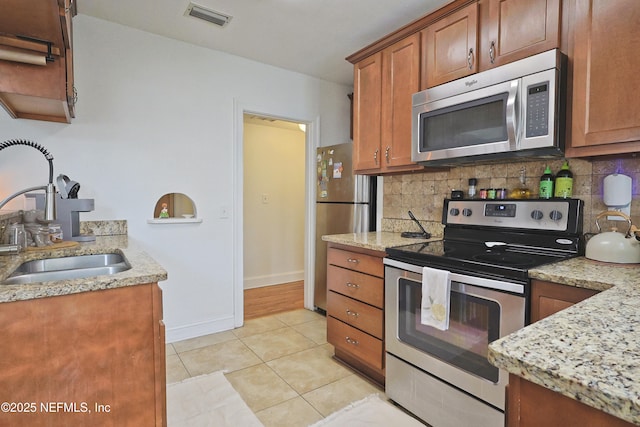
[(217, 18)]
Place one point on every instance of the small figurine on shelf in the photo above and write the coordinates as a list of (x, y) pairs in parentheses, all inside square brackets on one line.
[(164, 213)]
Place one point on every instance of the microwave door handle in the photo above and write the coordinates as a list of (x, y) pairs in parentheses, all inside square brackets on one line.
[(512, 115)]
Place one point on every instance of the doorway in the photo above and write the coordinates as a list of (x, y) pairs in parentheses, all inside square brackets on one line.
[(274, 214)]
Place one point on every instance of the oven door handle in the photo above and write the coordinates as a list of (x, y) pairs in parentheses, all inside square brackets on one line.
[(462, 278)]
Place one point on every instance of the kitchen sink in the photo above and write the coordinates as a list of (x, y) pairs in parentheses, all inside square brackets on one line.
[(65, 268)]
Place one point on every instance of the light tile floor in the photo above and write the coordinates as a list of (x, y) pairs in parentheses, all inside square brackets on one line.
[(281, 365)]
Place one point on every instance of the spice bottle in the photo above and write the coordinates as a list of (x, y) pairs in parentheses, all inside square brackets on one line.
[(472, 188), (546, 184), (564, 182)]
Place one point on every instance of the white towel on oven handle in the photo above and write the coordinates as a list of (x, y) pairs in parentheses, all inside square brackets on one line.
[(435, 304)]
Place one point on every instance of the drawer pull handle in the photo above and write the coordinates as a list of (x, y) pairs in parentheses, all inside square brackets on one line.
[(351, 341), (353, 260), (353, 285), (352, 313)]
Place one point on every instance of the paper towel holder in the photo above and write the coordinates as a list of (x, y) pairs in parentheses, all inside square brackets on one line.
[(617, 194)]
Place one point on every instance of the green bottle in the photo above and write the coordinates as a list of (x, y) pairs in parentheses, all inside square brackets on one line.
[(564, 182), (546, 184)]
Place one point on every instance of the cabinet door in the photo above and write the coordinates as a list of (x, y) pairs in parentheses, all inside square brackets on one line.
[(516, 29), (400, 80), (450, 47), (605, 108), (367, 82), (549, 298)]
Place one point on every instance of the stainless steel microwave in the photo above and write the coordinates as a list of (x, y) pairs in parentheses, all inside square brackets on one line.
[(514, 110)]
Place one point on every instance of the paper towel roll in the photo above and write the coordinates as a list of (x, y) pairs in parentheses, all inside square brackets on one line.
[(25, 58), (617, 190)]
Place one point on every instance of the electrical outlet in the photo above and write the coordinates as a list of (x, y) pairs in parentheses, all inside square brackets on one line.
[(265, 198)]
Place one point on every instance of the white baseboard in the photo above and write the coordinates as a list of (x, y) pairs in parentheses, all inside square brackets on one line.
[(272, 279), (194, 330)]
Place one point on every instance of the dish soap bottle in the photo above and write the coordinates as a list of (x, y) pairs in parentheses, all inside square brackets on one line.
[(564, 182), (546, 184)]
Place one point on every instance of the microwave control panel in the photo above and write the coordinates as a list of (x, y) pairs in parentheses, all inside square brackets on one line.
[(537, 120)]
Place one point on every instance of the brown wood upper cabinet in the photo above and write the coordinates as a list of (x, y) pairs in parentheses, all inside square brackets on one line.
[(383, 85), (29, 91), (605, 111), (487, 34)]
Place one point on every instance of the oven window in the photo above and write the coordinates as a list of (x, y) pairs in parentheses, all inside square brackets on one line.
[(473, 323), (473, 123)]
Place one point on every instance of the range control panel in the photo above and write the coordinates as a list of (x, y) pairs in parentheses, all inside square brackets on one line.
[(550, 215)]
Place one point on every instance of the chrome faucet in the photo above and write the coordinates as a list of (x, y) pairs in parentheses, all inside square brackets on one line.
[(50, 190)]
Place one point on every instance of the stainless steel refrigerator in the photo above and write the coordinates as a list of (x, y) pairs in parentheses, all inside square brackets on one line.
[(345, 203)]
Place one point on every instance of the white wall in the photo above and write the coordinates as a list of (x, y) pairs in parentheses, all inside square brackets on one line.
[(274, 162), (155, 116)]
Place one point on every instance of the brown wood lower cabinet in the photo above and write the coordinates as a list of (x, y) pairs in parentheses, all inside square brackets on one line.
[(355, 308), (548, 298), (531, 405), (86, 359)]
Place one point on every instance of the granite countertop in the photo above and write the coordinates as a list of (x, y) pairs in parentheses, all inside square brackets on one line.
[(143, 270), (375, 240), (590, 351)]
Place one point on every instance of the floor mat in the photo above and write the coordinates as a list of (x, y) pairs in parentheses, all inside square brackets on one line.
[(207, 400)]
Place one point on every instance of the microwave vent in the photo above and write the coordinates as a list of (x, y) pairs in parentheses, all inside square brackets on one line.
[(217, 18)]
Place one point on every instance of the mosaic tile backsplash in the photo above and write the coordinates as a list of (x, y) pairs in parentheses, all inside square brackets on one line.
[(424, 192)]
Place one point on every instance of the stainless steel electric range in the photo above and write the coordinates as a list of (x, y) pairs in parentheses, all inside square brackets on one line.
[(488, 247)]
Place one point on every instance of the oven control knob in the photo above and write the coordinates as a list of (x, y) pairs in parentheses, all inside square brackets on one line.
[(555, 215), (537, 215), (466, 212), (454, 211)]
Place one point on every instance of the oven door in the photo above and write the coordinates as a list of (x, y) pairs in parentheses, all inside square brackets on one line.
[(481, 311)]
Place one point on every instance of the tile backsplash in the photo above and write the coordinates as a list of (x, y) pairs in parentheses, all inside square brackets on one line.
[(423, 193)]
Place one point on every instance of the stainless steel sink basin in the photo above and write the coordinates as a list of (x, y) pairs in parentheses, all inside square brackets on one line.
[(72, 267)]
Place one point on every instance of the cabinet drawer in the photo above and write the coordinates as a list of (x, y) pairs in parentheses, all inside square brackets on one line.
[(351, 340), (356, 261), (356, 285), (355, 313)]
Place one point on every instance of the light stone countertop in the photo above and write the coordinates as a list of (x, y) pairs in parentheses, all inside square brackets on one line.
[(590, 351), (375, 240), (143, 270)]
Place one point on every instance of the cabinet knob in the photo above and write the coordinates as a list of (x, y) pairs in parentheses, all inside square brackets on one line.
[(375, 156), (353, 260), (470, 58), (351, 341), (353, 285), (386, 154), (352, 313), (492, 52)]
